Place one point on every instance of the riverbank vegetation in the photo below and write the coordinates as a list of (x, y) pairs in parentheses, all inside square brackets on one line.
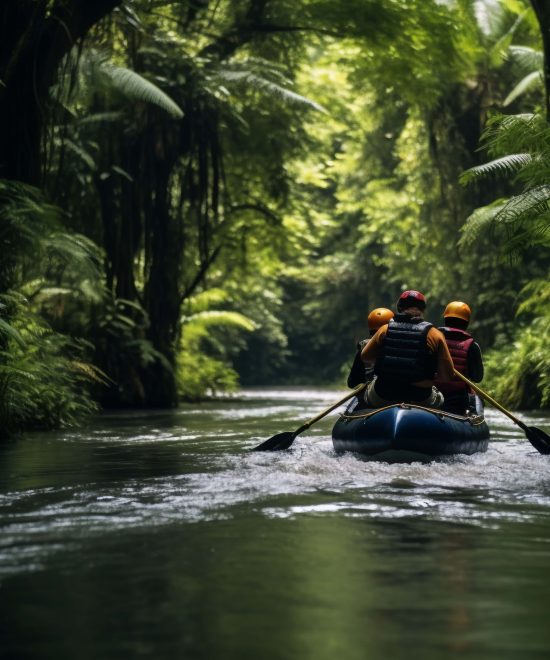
[(195, 194)]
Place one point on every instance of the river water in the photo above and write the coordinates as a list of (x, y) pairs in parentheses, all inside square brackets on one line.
[(157, 535)]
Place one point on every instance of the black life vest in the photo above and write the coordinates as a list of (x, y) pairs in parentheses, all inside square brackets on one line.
[(405, 357)]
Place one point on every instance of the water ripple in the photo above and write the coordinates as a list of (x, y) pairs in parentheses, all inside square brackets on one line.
[(205, 473)]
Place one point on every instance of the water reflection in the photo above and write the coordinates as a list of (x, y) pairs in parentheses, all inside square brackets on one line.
[(158, 533)]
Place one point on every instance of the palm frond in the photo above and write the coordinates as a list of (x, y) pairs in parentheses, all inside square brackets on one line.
[(489, 16), (500, 49), (504, 166), (530, 81), (528, 59)]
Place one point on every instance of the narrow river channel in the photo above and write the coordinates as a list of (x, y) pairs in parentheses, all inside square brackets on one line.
[(157, 535)]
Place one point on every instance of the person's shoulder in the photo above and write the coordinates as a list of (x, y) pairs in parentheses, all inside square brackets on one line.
[(381, 331), (436, 334), (377, 336)]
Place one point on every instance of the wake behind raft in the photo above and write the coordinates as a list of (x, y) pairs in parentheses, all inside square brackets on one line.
[(408, 432)]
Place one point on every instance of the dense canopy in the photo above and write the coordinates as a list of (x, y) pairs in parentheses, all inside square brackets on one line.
[(196, 193)]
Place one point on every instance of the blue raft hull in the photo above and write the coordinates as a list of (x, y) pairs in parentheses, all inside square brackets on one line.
[(407, 432)]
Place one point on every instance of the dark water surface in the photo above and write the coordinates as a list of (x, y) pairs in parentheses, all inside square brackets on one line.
[(156, 535)]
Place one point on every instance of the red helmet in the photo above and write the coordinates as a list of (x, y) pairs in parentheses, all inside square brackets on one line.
[(411, 298)]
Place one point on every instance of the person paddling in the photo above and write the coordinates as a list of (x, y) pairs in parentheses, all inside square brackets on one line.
[(466, 355), (406, 354), (360, 372)]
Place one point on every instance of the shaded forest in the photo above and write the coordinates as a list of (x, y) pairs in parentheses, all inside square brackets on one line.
[(199, 194)]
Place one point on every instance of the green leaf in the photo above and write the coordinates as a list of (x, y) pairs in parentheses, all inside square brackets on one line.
[(528, 59), (135, 86), (505, 165), (530, 81), (221, 318), (9, 331), (268, 87)]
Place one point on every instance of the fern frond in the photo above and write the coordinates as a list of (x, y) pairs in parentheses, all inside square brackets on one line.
[(9, 332), (510, 134), (527, 233), (91, 372), (220, 318), (525, 206), (505, 165), (268, 87), (205, 300), (75, 249), (530, 81), (133, 85), (84, 155), (98, 117), (479, 221), (148, 354), (47, 292)]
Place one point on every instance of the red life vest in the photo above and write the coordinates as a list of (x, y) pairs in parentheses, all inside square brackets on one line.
[(458, 342)]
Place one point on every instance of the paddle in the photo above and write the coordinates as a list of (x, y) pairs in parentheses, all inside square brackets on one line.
[(284, 440), (538, 438)]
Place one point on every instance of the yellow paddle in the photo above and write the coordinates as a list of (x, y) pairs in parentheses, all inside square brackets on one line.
[(284, 440), (538, 438)]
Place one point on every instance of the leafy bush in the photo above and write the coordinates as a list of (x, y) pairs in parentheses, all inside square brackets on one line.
[(520, 377), (519, 374), (200, 375), (203, 365), (44, 377)]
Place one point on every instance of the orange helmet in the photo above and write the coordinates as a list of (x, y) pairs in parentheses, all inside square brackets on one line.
[(458, 310), (379, 317)]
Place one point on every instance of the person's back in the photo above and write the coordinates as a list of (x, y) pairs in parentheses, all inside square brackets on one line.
[(466, 355), (359, 372), (406, 353)]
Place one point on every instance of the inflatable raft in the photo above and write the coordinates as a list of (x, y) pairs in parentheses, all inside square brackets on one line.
[(407, 432)]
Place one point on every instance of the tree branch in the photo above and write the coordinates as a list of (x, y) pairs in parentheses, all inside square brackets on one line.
[(199, 276)]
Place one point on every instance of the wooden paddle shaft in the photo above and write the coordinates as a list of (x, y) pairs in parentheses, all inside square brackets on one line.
[(496, 404), (332, 407)]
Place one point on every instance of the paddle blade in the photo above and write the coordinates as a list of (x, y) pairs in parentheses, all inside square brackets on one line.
[(277, 442), (539, 439)]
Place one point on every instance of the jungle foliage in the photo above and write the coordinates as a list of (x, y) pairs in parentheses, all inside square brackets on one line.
[(195, 194)]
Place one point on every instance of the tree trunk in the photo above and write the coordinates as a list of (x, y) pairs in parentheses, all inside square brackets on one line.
[(163, 257), (542, 11), (34, 37)]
